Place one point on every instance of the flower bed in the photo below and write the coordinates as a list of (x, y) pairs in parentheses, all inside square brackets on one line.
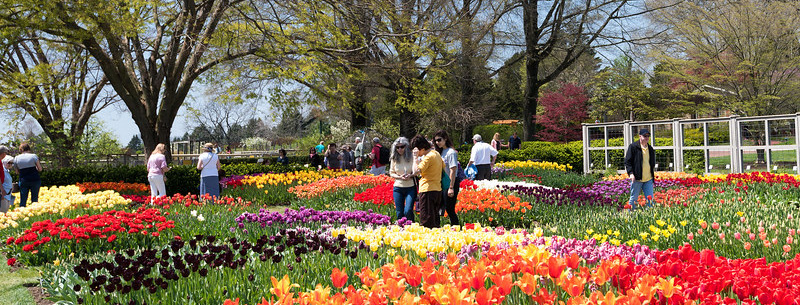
[(57, 200), (330, 185), (45, 239), (305, 216), (119, 187), (380, 195), (530, 245)]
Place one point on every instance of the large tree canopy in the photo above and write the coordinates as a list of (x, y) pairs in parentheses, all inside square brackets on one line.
[(56, 84), (743, 53), (151, 51)]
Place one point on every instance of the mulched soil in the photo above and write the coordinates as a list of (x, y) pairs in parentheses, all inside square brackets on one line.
[(39, 296)]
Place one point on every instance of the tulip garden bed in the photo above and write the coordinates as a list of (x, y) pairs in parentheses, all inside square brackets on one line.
[(538, 235)]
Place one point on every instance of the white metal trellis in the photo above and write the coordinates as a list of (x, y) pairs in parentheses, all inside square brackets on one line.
[(746, 136)]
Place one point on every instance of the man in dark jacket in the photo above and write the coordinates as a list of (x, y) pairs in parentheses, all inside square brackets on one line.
[(640, 162)]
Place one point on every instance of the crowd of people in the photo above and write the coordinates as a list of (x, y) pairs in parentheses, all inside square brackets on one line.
[(426, 171)]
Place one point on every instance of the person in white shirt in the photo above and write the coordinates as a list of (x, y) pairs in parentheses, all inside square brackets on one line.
[(209, 165), (483, 156)]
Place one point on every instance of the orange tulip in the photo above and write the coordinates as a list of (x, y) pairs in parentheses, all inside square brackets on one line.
[(484, 297), (338, 277), (573, 260), (543, 297), (283, 287), (367, 276), (229, 302), (556, 266), (394, 288), (574, 286), (668, 288), (503, 283), (527, 283)]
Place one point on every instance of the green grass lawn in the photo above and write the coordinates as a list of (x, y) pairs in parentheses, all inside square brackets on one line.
[(13, 288)]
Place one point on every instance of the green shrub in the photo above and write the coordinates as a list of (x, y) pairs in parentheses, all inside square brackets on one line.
[(180, 179), (566, 153)]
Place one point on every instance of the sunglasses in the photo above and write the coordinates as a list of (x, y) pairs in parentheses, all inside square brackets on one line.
[(400, 146), (438, 140)]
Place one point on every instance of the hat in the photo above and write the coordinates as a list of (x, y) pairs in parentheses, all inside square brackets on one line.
[(3, 149), (208, 146), (358, 139), (477, 137), (376, 140), (644, 131), (8, 159)]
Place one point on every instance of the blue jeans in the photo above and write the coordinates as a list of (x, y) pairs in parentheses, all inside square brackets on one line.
[(404, 201), (209, 185), (641, 187), (26, 186)]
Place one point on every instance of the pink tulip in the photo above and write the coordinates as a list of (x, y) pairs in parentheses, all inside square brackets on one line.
[(752, 236), (690, 236), (715, 226), (737, 236), (721, 235)]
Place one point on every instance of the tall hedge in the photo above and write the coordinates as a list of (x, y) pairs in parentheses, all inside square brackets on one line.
[(181, 179), (562, 153)]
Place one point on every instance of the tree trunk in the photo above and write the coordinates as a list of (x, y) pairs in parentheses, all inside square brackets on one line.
[(531, 100), (408, 123), (530, 16), (358, 107)]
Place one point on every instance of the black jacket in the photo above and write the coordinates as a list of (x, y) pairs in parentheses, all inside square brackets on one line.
[(633, 160)]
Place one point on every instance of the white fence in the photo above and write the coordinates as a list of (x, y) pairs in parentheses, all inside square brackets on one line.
[(711, 145)]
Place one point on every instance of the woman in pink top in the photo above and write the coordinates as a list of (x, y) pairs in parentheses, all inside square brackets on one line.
[(156, 167)]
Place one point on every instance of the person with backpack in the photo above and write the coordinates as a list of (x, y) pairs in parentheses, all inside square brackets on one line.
[(444, 146), (379, 156)]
